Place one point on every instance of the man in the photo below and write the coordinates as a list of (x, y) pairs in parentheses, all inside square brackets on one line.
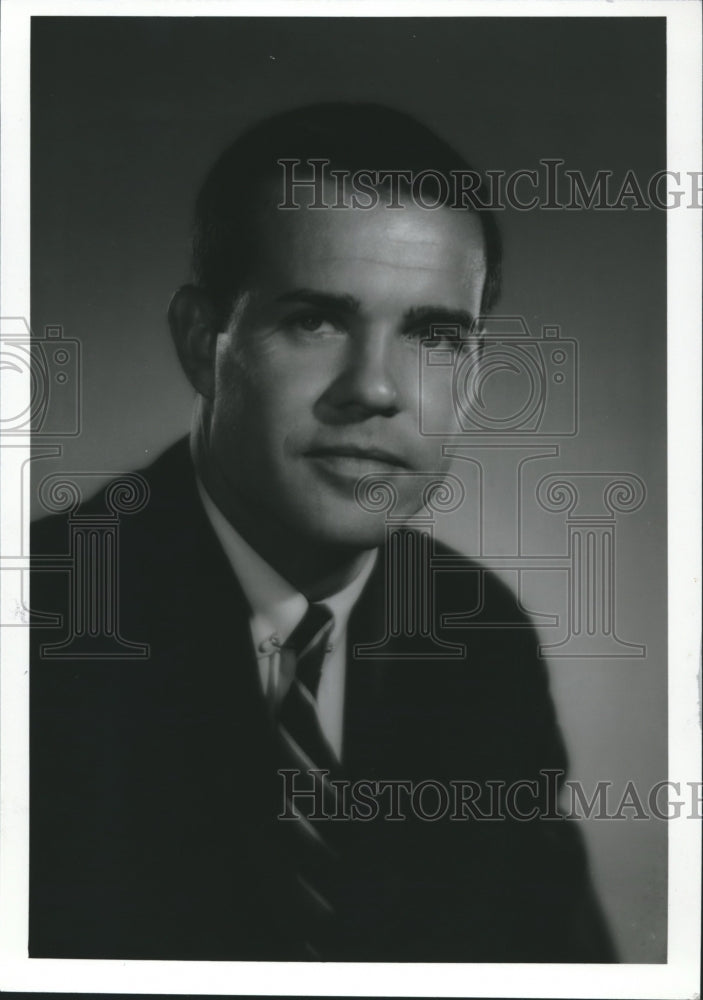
[(191, 805)]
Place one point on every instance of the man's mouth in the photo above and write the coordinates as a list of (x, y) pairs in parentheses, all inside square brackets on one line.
[(354, 461)]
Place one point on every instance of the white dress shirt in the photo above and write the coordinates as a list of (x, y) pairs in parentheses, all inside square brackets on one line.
[(276, 609)]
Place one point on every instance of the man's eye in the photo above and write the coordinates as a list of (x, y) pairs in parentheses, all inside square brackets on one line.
[(313, 324), (433, 335), (416, 335), (447, 336)]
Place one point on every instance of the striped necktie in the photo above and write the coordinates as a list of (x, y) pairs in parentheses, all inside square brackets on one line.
[(304, 749)]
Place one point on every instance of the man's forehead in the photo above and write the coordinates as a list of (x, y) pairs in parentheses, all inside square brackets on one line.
[(442, 240)]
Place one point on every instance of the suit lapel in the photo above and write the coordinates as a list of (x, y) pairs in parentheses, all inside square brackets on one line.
[(366, 678), (203, 625)]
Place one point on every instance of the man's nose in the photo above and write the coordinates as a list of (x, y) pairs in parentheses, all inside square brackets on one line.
[(367, 383)]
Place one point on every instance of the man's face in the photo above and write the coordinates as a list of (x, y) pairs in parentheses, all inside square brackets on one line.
[(317, 379)]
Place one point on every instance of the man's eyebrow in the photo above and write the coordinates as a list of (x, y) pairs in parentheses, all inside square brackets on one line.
[(439, 316), (416, 316), (323, 300)]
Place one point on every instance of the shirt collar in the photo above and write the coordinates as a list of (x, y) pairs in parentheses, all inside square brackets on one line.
[(276, 606)]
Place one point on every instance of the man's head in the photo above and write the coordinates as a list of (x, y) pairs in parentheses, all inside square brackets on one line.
[(302, 330)]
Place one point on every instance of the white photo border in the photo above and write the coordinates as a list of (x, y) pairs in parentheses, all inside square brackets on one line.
[(680, 976)]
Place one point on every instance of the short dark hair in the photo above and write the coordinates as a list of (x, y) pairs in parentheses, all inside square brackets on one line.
[(351, 136)]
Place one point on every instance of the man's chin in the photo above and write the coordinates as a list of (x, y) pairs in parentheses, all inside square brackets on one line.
[(355, 535), (353, 515), (357, 522)]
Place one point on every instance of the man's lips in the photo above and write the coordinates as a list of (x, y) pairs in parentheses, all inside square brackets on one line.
[(356, 459)]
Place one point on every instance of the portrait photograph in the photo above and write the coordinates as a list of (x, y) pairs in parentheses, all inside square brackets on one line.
[(351, 529)]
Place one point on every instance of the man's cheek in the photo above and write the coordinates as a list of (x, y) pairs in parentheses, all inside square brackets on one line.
[(291, 387), (437, 414)]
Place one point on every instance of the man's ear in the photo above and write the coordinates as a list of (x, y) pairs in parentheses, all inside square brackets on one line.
[(191, 318)]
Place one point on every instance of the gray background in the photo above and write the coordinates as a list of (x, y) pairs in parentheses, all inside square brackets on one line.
[(127, 114)]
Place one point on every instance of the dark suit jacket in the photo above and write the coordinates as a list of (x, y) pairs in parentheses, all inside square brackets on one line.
[(153, 787)]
